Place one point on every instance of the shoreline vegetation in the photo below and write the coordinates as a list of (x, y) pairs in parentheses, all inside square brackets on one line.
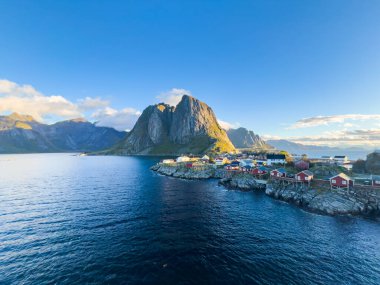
[(314, 197)]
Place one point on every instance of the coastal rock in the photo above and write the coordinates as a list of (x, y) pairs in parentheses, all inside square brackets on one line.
[(331, 202), (242, 182), (184, 172)]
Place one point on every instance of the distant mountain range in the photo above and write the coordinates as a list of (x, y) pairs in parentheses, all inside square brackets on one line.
[(298, 148), (23, 134), (243, 138), (189, 127)]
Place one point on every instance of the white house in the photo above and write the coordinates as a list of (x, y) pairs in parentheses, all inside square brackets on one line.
[(247, 162), (221, 161), (276, 159), (260, 162), (205, 158), (341, 159), (168, 161), (183, 159)]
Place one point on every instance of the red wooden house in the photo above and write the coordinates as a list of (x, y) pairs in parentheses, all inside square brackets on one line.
[(305, 176), (259, 170), (246, 168), (232, 167), (302, 165), (341, 181), (278, 173)]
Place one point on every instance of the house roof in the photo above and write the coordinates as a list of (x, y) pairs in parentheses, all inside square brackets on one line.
[(307, 172), (275, 156), (263, 168), (281, 170), (344, 176), (247, 166)]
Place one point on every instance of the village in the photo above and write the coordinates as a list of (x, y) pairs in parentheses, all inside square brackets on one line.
[(325, 172)]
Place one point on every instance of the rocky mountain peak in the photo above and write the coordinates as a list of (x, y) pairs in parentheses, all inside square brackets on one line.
[(244, 138), (79, 120), (22, 118), (191, 126)]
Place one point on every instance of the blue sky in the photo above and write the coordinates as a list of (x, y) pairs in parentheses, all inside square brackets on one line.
[(264, 65)]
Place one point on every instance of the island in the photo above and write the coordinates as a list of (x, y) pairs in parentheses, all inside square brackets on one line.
[(339, 194)]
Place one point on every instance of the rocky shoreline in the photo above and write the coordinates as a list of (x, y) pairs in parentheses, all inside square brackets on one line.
[(328, 202), (331, 202)]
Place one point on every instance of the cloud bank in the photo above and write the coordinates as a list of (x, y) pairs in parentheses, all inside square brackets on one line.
[(25, 99), (123, 119), (227, 125), (173, 96), (364, 138), (326, 120)]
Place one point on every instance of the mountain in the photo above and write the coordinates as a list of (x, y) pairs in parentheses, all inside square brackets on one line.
[(317, 151), (298, 148), (23, 134), (293, 147), (189, 127), (243, 138)]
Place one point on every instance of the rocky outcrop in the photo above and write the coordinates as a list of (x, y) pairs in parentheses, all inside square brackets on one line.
[(243, 182), (331, 202), (243, 138), (184, 172), (23, 134), (190, 127)]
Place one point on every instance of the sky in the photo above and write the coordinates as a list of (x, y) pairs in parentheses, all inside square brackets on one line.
[(308, 71)]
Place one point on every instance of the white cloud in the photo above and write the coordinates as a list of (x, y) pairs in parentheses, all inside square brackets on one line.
[(326, 120), (268, 137), (121, 120), (362, 138), (173, 97), (90, 103), (226, 125), (25, 99)]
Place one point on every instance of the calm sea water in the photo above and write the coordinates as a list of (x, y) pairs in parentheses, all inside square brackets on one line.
[(88, 220)]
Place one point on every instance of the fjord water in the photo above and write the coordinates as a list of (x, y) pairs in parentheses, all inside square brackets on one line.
[(68, 219)]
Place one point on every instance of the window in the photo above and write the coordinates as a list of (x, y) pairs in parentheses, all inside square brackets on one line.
[(333, 181), (377, 182), (344, 182)]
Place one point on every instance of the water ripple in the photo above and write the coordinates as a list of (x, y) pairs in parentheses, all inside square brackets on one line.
[(109, 220)]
